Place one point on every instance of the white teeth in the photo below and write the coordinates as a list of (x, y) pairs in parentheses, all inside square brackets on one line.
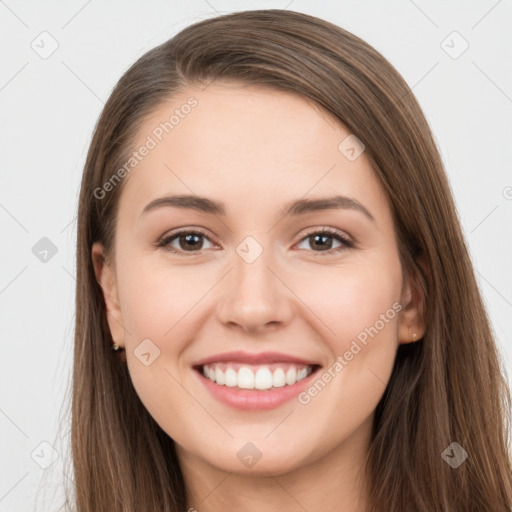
[(245, 378), (263, 379), (302, 374), (219, 376), (260, 378), (291, 376), (278, 378), (230, 378)]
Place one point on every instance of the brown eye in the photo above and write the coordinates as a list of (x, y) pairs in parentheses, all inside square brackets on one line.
[(190, 241), (324, 242), (184, 241), (320, 242)]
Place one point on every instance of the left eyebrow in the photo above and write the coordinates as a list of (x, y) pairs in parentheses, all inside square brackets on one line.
[(293, 208), (304, 206)]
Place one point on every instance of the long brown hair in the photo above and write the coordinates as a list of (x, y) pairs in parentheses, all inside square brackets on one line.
[(447, 387)]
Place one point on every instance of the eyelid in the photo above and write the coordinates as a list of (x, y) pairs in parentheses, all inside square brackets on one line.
[(331, 231)]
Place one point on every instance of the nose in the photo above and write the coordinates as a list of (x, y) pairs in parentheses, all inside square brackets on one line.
[(254, 296)]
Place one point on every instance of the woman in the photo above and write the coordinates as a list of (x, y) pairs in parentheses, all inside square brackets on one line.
[(275, 305)]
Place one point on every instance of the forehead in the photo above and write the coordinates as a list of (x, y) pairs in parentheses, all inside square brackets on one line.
[(246, 145)]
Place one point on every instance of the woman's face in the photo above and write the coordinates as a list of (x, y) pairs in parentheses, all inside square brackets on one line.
[(239, 261)]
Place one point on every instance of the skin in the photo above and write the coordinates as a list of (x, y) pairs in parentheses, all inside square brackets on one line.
[(255, 150)]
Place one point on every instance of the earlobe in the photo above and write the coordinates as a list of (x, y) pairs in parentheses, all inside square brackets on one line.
[(105, 276)]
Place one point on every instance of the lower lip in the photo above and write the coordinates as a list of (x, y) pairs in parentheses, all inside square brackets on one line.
[(252, 399)]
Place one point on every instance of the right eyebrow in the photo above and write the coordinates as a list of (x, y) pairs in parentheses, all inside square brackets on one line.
[(192, 202)]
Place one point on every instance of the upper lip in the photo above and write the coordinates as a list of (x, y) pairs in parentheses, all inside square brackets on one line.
[(252, 358)]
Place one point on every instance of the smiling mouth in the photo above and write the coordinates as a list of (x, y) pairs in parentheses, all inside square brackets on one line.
[(261, 377)]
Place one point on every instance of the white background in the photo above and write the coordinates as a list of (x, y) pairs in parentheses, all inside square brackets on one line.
[(48, 111)]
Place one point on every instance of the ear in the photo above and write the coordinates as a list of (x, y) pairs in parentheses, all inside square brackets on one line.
[(412, 326), (105, 275)]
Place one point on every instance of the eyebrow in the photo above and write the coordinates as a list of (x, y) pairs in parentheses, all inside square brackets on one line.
[(291, 209)]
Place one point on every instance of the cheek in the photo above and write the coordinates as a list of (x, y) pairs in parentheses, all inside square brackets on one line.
[(362, 308), (161, 309), (158, 308), (156, 300), (352, 299)]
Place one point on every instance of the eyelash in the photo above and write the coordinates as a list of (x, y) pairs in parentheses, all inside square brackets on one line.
[(346, 243)]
